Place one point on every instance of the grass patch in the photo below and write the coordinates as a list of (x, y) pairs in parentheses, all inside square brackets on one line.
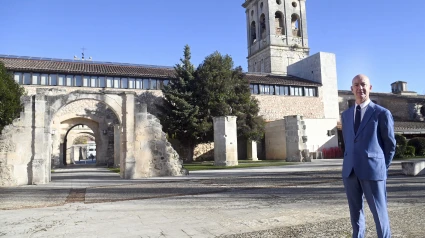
[(206, 165), (115, 170)]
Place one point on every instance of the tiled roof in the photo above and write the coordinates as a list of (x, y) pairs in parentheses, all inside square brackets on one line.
[(279, 79), (31, 64), (87, 67)]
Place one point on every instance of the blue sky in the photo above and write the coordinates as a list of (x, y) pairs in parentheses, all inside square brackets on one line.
[(383, 39)]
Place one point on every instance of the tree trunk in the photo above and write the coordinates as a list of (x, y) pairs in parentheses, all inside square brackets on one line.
[(191, 153)]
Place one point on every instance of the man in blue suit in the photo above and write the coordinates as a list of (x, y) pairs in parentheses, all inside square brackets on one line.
[(368, 131)]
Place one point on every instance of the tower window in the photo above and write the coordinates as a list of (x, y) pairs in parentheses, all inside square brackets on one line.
[(280, 29), (294, 4), (253, 33), (278, 2), (295, 22), (263, 26)]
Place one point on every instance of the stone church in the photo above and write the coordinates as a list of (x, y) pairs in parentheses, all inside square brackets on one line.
[(114, 104)]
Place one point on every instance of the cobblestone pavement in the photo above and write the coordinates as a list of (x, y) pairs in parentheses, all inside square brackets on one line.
[(305, 200)]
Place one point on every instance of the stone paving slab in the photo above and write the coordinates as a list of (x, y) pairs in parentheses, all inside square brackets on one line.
[(256, 203)]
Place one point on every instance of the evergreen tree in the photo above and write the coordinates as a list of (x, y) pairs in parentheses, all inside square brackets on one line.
[(214, 89), (179, 114), (221, 90), (10, 98)]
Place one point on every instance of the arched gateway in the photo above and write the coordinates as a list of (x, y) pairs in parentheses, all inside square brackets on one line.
[(125, 135)]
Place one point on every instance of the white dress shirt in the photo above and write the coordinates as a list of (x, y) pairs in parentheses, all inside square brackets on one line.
[(363, 107)]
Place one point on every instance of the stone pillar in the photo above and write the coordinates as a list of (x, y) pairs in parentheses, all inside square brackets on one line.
[(117, 145), (225, 141), (128, 161), (252, 150), (38, 162), (296, 139)]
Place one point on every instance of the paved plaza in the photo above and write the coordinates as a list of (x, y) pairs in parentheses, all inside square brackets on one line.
[(303, 200)]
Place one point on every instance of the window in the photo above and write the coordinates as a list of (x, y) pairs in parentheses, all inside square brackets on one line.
[(27, 78), (145, 83), (69, 79), (295, 22), (61, 80), (309, 92), (283, 90), (101, 82), (154, 84), (18, 77), (86, 81), (296, 91), (263, 26), (53, 79), (278, 19), (131, 83), (166, 82), (261, 89), (44, 79), (79, 81), (35, 79), (117, 82), (124, 83), (253, 33), (93, 80), (109, 82), (139, 83)]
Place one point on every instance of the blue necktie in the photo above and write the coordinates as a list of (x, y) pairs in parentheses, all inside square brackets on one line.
[(357, 119)]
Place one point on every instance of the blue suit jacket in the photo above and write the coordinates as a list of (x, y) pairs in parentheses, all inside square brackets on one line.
[(371, 150)]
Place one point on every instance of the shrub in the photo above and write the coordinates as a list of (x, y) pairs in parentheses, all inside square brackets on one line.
[(401, 144), (410, 151), (419, 144)]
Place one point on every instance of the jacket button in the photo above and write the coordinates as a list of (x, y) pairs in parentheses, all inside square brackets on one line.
[(355, 141)]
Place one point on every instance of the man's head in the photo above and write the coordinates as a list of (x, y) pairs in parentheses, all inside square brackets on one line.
[(361, 88)]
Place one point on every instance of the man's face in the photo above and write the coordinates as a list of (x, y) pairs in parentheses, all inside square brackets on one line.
[(361, 88)]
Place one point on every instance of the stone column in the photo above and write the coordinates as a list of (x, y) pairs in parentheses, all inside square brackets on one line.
[(128, 160), (252, 150), (117, 145), (38, 162), (296, 139), (225, 141)]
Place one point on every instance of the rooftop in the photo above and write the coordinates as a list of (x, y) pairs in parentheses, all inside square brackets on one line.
[(69, 66)]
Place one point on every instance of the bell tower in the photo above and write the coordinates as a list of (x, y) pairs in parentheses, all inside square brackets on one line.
[(276, 34)]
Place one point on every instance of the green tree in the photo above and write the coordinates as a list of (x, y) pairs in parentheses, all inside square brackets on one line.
[(222, 90), (215, 88), (10, 98), (179, 114)]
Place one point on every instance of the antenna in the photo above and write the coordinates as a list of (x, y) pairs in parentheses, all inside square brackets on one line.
[(82, 54)]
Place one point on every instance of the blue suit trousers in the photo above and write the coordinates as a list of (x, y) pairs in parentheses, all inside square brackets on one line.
[(375, 194)]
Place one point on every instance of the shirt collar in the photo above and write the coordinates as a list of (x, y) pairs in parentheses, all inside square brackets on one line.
[(364, 104)]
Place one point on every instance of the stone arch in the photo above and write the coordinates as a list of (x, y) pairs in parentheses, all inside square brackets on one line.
[(263, 26), (279, 23), (253, 30), (97, 115), (296, 25), (83, 135)]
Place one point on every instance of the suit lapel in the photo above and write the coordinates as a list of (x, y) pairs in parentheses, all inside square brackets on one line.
[(369, 112), (350, 120)]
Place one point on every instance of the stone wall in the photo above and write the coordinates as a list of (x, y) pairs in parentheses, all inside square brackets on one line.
[(154, 155), (402, 107), (273, 107)]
